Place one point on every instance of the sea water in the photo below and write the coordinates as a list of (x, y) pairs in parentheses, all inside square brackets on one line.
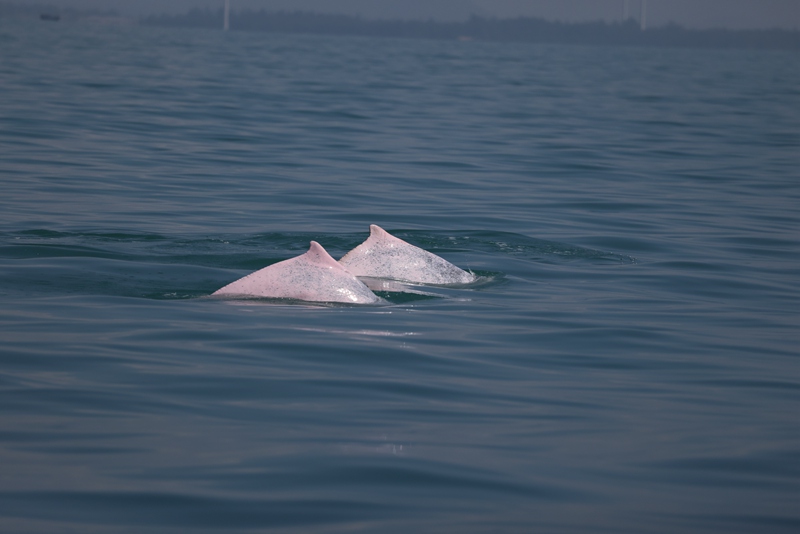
[(627, 362)]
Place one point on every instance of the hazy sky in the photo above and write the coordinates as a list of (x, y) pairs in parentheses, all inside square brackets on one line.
[(691, 13)]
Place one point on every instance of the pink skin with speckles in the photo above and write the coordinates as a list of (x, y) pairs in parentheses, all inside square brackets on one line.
[(314, 276), (383, 255)]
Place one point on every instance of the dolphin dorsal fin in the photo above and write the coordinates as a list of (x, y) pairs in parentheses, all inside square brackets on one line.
[(319, 256), (377, 231)]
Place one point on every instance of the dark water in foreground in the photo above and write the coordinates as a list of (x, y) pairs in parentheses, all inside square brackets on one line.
[(628, 362)]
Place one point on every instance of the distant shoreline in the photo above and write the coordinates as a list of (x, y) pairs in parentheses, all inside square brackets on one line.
[(50, 13), (476, 28), (519, 29)]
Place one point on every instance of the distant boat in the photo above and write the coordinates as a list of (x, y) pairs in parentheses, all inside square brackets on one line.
[(49, 16)]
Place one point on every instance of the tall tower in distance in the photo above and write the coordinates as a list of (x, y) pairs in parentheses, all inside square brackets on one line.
[(626, 12), (226, 16), (643, 18)]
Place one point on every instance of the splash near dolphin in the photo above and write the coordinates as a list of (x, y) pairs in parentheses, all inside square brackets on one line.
[(316, 277)]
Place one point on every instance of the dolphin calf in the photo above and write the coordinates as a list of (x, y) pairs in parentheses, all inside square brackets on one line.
[(314, 276), (383, 255)]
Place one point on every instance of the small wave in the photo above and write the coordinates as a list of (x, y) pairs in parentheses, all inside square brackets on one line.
[(169, 267)]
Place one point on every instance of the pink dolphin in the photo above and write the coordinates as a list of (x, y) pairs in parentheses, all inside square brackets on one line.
[(384, 256), (313, 276)]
